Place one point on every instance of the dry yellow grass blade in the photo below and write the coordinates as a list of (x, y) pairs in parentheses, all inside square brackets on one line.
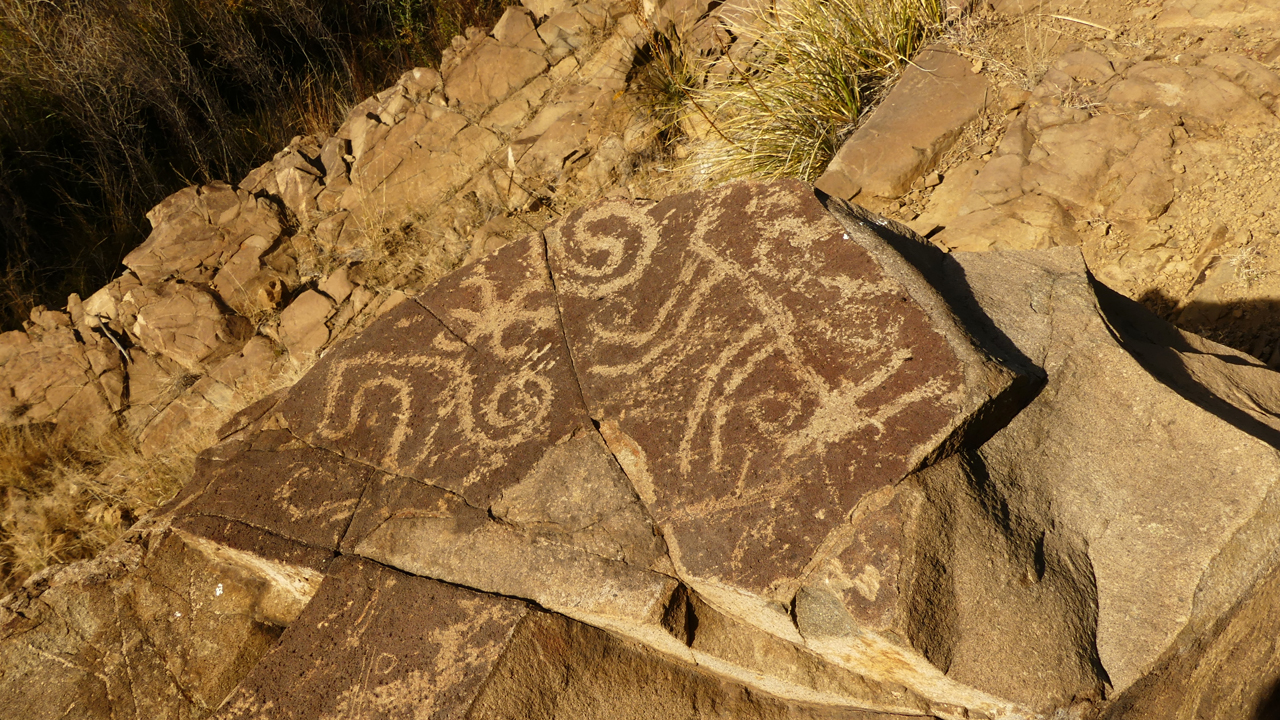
[(816, 66)]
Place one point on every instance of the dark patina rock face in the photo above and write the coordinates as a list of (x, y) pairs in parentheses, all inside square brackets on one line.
[(462, 389), (685, 422), (732, 454), (761, 370), (374, 642)]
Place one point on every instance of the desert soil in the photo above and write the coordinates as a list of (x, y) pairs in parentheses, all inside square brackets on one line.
[(1210, 261)]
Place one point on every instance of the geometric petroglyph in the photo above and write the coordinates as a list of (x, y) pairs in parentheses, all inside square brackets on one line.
[(375, 643), (645, 404), (279, 485), (759, 369), (460, 389)]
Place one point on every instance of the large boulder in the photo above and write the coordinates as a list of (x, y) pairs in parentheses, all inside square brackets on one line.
[(739, 453)]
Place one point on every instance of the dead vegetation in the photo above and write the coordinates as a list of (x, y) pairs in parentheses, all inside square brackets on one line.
[(781, 88), (108, 106), (66, 495), (64, 498)]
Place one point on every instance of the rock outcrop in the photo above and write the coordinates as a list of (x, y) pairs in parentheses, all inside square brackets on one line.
[(731, 454), (1143, 133), (744, 452), (239, 287)]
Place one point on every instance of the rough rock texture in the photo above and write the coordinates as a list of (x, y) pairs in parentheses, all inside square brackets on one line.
[(240, 287), (736, 453), (1142, 132), (1078, 150), (376, 643), (162, 625), (292, 257), (739, 453), (919, 120), (1194, 462)]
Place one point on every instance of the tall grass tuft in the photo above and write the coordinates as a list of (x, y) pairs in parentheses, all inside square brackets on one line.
[(64, 496), (663, 82), (816, 67)]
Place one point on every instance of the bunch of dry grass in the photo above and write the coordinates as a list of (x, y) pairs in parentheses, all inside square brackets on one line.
[(64, 498), (663, 83), (1017, 52), (816, 66), (106, 106), (66, 495)]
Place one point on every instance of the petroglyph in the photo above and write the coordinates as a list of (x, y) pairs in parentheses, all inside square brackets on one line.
[(761, 361), (708, 395), (378, 643), (464, 388)]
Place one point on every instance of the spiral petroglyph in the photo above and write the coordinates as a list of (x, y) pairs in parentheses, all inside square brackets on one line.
[(761, 361), (601, 253), (466, 389), (721, 399), (757, 357)]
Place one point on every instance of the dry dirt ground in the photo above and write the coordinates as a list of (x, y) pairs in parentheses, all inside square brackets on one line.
[(1205, 255)]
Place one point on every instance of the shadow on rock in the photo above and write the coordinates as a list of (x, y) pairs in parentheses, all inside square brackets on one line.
[(1248, 325), (1210, 375), (1269, 708)]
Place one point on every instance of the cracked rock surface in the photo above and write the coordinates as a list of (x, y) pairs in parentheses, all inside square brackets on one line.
[(744, 452)]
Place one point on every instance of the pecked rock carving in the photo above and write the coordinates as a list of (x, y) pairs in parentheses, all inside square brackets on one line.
[(743, 452)]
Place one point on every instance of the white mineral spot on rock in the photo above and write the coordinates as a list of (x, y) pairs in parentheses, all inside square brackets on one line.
[(867, 583)]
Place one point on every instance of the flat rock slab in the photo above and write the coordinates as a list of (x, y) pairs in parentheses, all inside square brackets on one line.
[(918, 121), (376, 643), (159, 629), (700, 392), (284, 487), (757, 369), (462, 389), (492, 72)]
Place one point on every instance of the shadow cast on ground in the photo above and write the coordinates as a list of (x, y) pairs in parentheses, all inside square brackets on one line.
[(1250, 326)]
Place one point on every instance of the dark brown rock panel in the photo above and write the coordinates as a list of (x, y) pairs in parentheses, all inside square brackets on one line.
[(376, 643), (870, 572), (255, 544), (461, 390), (280, 485), (756, 369)]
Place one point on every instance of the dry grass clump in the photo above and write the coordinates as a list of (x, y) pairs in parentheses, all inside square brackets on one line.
[(410, 252), (665, 77), (786, 105), (65, 498)]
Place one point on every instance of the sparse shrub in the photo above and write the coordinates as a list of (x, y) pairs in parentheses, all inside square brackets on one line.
[(64, 496), (664, 78), (816, 66)]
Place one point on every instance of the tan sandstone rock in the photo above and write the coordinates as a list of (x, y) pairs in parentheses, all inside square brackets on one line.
[(918, 121)]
